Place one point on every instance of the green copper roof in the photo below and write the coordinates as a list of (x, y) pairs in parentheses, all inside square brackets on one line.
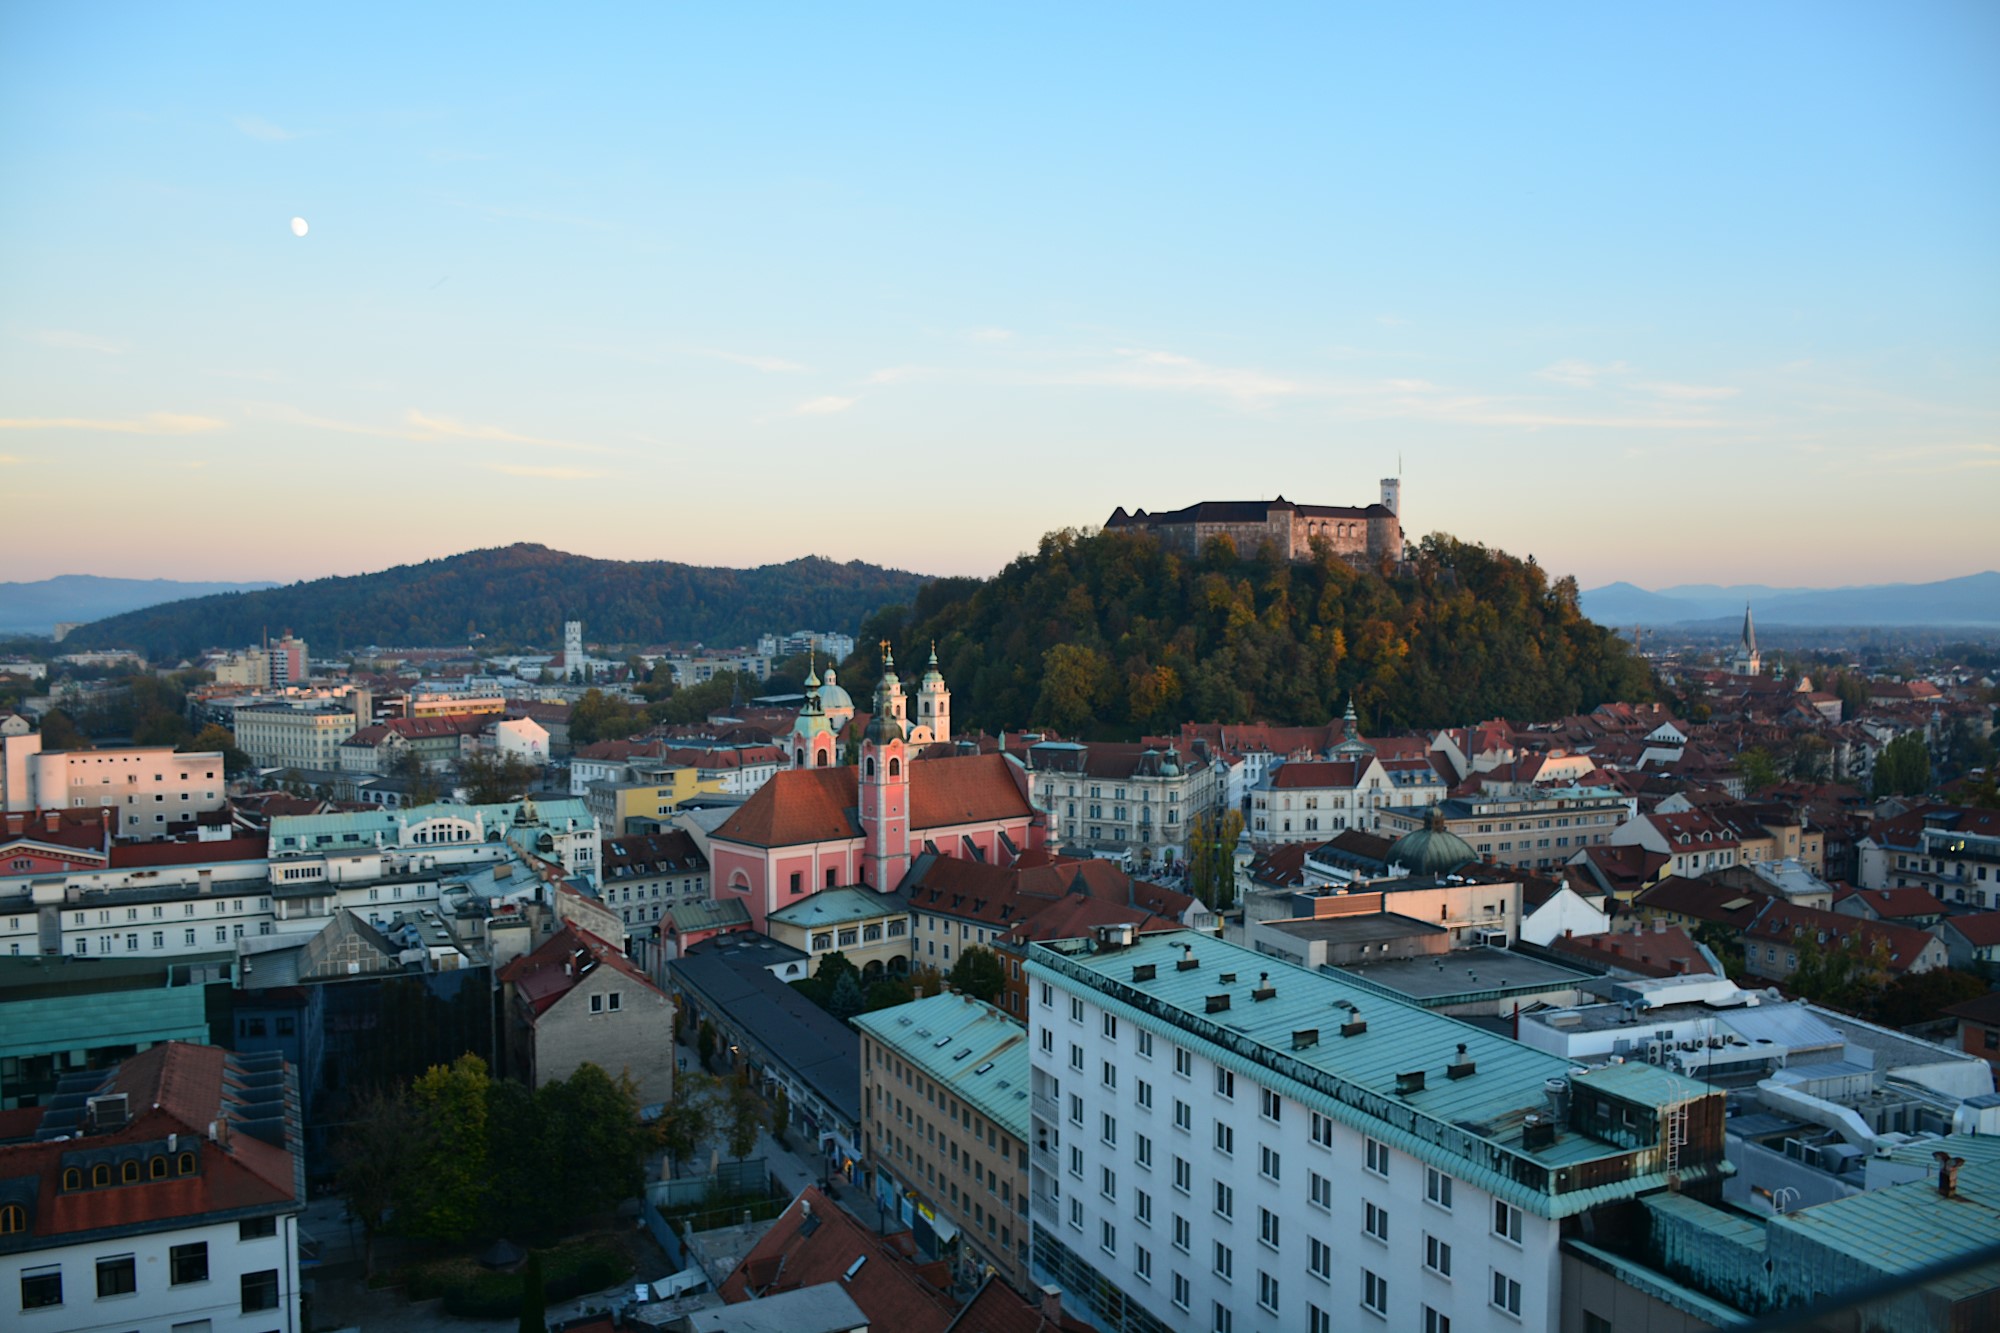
[(975, 1052), (838, 907)]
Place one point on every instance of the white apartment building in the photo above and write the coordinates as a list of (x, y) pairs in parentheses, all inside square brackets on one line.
[(152, 787), (307, 736), (1111, 798), (203, 1234), (1222, 1141), (1311, 800), (173, 899)]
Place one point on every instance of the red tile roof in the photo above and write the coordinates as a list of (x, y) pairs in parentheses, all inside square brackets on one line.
[(552, 971), (817, 804), (1894, 904), (1651, 953), (1319, 774), (133, 855), (1980, 929), (1704, 900), (1784, 922), (998, 1308), (82, 829), (815, 1241)]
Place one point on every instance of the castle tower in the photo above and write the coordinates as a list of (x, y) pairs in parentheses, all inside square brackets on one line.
[(572, 646), (885, 786), (812, 738), (1392, 495), (933, 707)]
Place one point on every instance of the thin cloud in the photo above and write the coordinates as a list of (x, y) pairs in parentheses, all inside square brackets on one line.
[(153, 423), (76, 342), (989, 335), (10, 460), (1171, 372), (542, 473), (895, 374), (422, 427), (1580, 374), (258, 128), (823, 406), (1691, 392), (770, 365)]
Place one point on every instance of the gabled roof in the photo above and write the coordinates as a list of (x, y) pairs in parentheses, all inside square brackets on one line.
[(1894, 904), (1784, 922), (1704, 900), (815, 1241), (1343, 774), (805, 805), (552, 971), (1650, 953), (998, 1308), (1980, 929)]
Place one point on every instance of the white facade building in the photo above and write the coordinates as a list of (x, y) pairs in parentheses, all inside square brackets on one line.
[(281, 735), (1223, 1141), (153, 788)]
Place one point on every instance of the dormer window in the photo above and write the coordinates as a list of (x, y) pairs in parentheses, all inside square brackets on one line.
[(72, 1178), (100, 1175)]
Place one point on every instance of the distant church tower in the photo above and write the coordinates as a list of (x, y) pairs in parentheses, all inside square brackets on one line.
[(812, 738), (885, 786), (933, 707), (572, 645), (1747, 662)]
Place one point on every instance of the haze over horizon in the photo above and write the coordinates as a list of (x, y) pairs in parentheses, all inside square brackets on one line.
[(1699, 296)]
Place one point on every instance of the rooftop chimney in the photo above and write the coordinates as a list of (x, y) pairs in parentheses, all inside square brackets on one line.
[(1187, 962), (1462, 1067), (1948, 1173)]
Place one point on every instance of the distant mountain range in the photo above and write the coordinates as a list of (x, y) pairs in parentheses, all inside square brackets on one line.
[(1971, 600), (36, 608), (519, 595)]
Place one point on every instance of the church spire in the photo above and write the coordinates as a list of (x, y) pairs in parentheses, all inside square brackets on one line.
[(1749, 631)]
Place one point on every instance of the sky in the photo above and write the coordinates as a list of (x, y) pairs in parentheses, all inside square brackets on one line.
[(1695, 293)]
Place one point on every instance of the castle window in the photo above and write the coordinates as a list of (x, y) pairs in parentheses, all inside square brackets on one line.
[(129, 1173), (100, 1174), (72, 1178), (157, 1169), (13, 1218), (185, 1165)]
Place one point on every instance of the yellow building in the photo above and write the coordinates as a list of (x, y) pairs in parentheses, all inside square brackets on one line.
[(659, 791)]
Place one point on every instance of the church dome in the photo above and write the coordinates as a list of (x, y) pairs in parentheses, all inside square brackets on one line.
[(831, 697), (1432, 849)]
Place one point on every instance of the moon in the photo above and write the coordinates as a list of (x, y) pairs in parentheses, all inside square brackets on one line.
[(298, 226)]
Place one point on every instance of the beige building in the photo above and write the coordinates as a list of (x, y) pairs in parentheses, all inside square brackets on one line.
[(577, 1000), (1535, 832), (944, 1122), (871, 930), (280, 735), (153, 788), (1112, 798)]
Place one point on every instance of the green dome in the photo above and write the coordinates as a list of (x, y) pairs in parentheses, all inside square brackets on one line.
[(1432, 849)]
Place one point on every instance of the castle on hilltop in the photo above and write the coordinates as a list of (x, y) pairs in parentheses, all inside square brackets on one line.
[(1358, 535)]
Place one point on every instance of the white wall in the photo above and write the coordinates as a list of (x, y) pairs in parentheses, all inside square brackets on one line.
[(157, 1306)]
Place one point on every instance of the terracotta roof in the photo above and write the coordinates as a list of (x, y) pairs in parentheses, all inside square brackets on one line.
[(1981, 1009), (552, 971), (1705, 900), (1980, 929), (998, 1308), (815, 1241), (1894, 904), (132, 855), (819, 804), (1784, 922), (1344, 773), (174, 1088), (1652, 953), (673, 851), (80, 829)]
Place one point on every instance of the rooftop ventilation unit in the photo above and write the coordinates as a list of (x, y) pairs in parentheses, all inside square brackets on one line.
[(1217, 1003), (1462, 1067), (1188, 962), (1144, 972), (108, 1112), (1305, 1037), (1413, 1081), (1537, 1132), (1354, 1026), (1265, 990)]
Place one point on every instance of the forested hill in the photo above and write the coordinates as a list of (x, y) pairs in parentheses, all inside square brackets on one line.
[(521, 595), (1113, 635)]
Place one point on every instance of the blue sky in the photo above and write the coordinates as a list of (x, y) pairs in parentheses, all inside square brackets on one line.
[(1702, 293)]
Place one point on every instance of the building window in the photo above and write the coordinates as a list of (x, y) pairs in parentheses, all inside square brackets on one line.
[(41, 1288), (1076, 1214), (13, 1218), (1437, 1256), (1269, 1104), (1506, 1221), (257, 1228), (1225, 1139), (188, 1263), (1180, 1290), (1183, 1115), (1107, 1238), (597, 1004), (184, 1164), (1225, 1262), (1267, 1227), (1145, 1094), (1225, 1201), (1268, 1161), (1506, 1294), (1374, 1293), (1183, 1175), (1224, 1319), (1110, 1078), (1107, 1183), (1267, 1292), (1378, 1157), (1183, 1062), (1437, 1187), (118, 1276), (1441, 1323), (1225, 1084), (1142, 1262), (1145, 1044), (1322, 1130), (1319, 1259), (1143, 1150), (1075, 1009), (1320, 1191), (1318, 1320)]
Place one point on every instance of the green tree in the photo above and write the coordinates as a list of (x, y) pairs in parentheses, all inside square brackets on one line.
[(534, 1298), (688, 1118), (705, 1045), (448, 1192), (517, 1138), (888, 993), (1904, 767), (492, 778), (1919, 997), (978, 973), (376, 1156), (847, 999), (217, 737), (596, 1152), (747, 1114), (60, 732), (423, 784), (1759, 770), (781, 1115)]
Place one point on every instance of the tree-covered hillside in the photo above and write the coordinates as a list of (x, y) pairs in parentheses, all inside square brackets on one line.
[(520, 594), (1114, 635)]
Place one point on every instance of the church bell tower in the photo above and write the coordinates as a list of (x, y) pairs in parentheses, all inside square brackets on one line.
[(885, 786)]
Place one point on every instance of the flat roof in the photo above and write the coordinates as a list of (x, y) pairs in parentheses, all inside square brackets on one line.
[(1460, 1123), (833, 907), (730, 974), (1468, 971), (973, 1050), (1365, 926)]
